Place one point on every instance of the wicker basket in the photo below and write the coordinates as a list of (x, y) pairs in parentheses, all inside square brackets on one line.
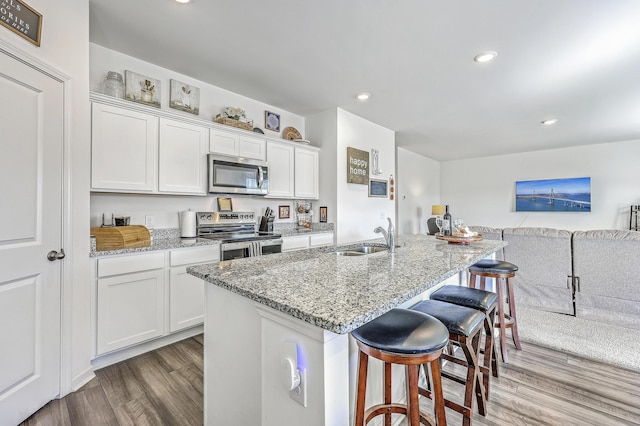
[(234, 123)]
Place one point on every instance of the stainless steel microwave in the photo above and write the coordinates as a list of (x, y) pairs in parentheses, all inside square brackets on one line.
[(233, 175)]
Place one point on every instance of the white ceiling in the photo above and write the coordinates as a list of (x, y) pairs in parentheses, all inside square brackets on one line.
[(578, 61)]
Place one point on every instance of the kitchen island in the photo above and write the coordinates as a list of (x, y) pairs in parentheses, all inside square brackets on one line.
[(301, 306)]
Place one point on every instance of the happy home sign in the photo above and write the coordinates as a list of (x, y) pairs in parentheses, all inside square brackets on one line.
[(357, 166), (22, 19)]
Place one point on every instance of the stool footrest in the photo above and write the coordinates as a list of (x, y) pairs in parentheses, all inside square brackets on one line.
[(448, 403), (394, 408)]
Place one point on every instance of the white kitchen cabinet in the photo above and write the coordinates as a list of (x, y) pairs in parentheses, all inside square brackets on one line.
[(182, 159), (280, 157), (306, 176), (235, 145), (301, 242), (123, 149), (186, 292), (131, 301)]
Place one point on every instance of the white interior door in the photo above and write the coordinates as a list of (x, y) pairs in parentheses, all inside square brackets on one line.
[(31, 140)]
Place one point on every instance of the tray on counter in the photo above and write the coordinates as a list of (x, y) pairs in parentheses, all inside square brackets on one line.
[(451, 239)]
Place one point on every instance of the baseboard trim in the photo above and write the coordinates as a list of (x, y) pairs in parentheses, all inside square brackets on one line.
[(123, 354), (82, 379)]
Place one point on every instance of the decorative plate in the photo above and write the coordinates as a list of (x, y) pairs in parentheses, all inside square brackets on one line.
[(290, 133), (459, 240), (258, 130)]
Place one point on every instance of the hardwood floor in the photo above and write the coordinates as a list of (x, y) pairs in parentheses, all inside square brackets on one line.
[(539, 386)]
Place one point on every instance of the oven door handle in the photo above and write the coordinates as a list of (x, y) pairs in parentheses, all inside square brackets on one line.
[(235, 246), (271, 242)]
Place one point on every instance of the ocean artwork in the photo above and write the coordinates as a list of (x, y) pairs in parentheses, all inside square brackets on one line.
[(554, 195)]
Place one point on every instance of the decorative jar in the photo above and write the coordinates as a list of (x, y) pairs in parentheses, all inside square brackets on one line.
[(113, 85)]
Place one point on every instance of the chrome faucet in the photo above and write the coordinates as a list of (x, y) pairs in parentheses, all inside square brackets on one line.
[(389, 235)]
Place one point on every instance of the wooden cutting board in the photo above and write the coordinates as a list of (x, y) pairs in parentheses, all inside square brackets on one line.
[(121, 237)]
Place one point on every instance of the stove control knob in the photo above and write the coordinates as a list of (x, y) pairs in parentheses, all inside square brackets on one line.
[(209, 217)]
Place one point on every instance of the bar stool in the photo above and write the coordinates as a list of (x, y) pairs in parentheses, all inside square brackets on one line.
[(465, 328), (500, 270), (409, 338), (485, 302)]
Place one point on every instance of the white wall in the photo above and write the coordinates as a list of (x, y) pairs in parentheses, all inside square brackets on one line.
[(213, 99), (418, 189), (357, 213), (322, 130), (64, 47), (482, 190)]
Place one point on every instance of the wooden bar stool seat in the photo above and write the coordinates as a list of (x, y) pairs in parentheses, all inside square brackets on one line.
[(465, 327), (408, 338), (501, 271), (485, 302)]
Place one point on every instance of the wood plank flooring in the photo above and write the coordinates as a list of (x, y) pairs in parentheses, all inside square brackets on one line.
[(538, 387)]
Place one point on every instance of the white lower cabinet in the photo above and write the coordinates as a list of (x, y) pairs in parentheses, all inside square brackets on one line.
[(140, 297), (301, 242), (186, 292), (130, 306)]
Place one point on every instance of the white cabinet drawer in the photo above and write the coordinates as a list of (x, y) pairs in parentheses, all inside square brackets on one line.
[(295, 243), (319, 240), (130, 263), (194, 255)]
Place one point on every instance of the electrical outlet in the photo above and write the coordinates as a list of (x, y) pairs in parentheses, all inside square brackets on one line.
[(148, 221), (299, 393)]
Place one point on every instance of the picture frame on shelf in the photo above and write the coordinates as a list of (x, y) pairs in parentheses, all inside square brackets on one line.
[(184, 97), (272, 121), (284, 212), (225, 204), (142, 89), (323, 214)]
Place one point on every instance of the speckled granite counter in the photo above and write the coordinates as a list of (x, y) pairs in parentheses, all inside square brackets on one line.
[(291, 229), (161, 239), (340, 293)]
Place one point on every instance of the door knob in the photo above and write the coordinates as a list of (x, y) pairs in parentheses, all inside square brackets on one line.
[(54, 255)]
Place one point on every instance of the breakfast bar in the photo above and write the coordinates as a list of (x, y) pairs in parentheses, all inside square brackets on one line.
[(277, 343)]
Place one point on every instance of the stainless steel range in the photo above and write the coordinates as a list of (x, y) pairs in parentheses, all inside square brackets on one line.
[(237, 234)]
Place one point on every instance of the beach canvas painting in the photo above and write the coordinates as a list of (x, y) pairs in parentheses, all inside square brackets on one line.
[(554, 195)]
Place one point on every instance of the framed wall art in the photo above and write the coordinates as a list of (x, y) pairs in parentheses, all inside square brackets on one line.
[(184, 97), (283, 212), (378, 188), (323, 214), (225, 204), (142, 89), (272, 121), (554, 195)]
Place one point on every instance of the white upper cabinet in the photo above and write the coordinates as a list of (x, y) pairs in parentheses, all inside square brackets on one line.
[(306, 173), (123, 149), (182, 158), (227, 143), (280, 157)]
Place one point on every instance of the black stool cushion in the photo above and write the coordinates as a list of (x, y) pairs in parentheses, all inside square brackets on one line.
[(458, 319), (493, 266), (470, 297), (403, 331)]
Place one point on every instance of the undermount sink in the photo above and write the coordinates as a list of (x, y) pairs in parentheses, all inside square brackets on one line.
[(360, 251)]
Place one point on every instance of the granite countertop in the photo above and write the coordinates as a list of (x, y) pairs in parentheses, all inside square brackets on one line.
[(341, 293), (292, 230), (161, 239)]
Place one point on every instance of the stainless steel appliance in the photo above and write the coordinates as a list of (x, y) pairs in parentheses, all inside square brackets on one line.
[(233, 175), (237, 234)]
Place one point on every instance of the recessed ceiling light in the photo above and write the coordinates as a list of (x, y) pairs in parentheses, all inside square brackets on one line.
[(485, 56), (363, 96), (549, 121), (183, 1)]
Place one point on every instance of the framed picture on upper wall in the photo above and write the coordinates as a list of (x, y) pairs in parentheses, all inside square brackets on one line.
[(272, 121), (554, 195), (184, 97), (143, 89)]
